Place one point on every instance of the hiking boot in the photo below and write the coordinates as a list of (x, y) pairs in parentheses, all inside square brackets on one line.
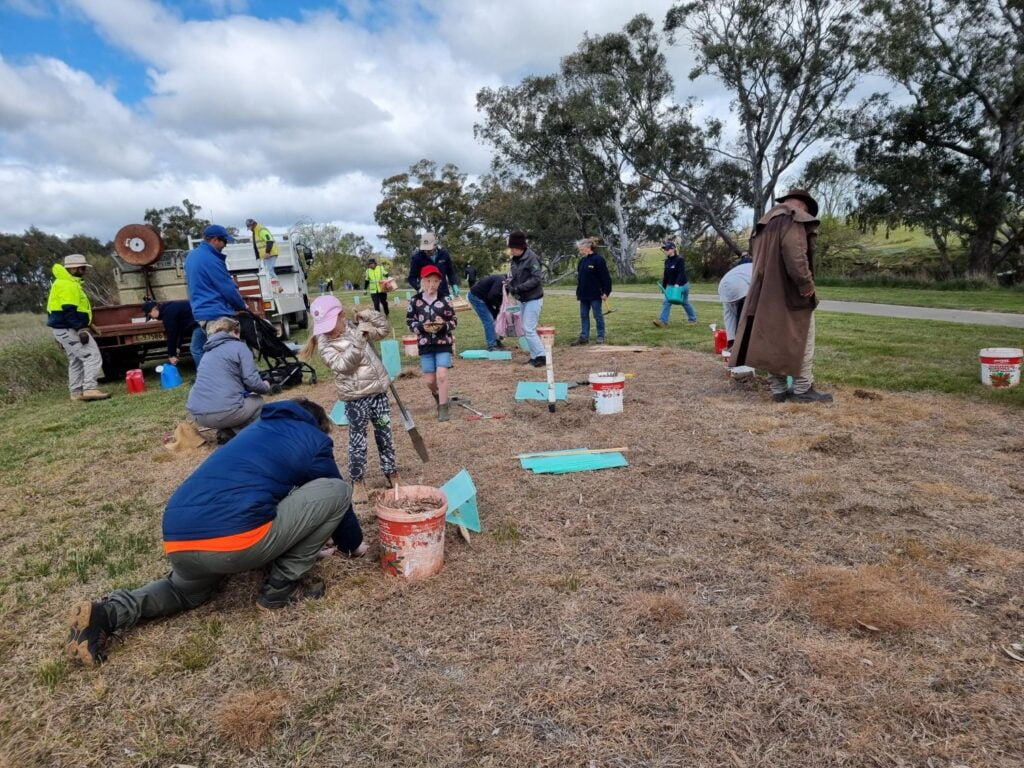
[(539, 362), (76, 396), (95, 394), (90, 633), (659, 324), (442, 411), (579, 342), (781, 397), (273, 596), (811, 396)]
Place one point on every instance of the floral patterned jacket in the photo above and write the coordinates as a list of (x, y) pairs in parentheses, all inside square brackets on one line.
[(421, 312)]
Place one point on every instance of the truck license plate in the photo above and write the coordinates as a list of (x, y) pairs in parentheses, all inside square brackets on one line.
[(149, 337)]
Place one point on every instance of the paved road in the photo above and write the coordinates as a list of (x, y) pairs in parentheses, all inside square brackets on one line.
[(968, 316)]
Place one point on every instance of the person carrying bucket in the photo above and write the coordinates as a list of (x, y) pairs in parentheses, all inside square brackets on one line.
[(361, 380), (675, 274)]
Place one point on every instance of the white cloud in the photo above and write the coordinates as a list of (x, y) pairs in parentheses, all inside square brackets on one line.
[(275, 118)]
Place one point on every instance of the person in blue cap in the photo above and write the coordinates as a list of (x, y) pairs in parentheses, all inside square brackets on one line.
[(212, 292)]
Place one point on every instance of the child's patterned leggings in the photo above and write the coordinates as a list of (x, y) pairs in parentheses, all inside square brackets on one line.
[(376, 410)]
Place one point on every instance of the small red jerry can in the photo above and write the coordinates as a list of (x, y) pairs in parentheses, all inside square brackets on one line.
[(721, 341), (134, 381)]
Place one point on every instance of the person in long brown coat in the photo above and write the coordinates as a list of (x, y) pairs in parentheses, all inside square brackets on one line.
[(776, 328)]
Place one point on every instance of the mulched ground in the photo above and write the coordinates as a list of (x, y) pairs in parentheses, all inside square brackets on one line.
[(764, 585)]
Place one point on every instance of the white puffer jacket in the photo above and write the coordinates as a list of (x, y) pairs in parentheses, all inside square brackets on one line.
[(358, 372)]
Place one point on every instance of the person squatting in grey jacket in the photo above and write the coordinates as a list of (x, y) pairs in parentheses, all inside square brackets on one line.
[(226, 394)]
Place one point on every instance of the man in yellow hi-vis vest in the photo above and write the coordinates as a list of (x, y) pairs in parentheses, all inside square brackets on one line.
[(374, 277), (265, 247)]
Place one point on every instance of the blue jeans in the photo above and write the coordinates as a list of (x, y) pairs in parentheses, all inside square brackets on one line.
[(431, 361), (531, 316), (484, 313), (586, 307), (196, 347), (691, 313)]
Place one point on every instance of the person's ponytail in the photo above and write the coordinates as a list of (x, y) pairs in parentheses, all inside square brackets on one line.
[(307, 351)]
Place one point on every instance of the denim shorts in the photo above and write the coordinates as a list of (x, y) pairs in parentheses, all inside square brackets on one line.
[(431, 361)]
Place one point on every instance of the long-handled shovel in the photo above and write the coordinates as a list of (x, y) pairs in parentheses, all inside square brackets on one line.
[(407, 422), (477, 415), (410, 427)]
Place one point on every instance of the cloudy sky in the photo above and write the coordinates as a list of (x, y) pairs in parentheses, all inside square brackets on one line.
[(272, 109)]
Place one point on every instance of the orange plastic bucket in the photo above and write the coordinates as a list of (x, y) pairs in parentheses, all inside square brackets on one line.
[(412, 541)]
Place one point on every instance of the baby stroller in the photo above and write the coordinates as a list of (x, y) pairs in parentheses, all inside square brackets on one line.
[(284, 367)]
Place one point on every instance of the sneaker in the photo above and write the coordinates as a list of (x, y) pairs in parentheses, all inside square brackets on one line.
[(498, 344), (659, 324), (95, 394), (781, 397), (692, 322), (811, 396), (599, 341), (539, 362), (271, 598), (442, 411), (76, 396), (579, 342), (90, 633), (492, 347)]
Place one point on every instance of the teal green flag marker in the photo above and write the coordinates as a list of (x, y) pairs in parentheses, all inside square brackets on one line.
[(391, 356), (462, 508), (338, 414)]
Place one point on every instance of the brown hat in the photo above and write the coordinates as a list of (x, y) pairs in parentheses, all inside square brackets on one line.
[(801, 194), (517, 239)]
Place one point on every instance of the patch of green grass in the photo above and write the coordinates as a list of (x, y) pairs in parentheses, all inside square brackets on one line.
[(51, 674), (198, 651), (855, 350), (568, 583), (508, 532)]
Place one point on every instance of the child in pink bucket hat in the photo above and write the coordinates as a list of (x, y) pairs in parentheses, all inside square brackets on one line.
[(360, 378)]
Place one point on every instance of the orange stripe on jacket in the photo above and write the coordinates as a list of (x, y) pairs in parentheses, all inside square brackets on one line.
[(232, 543)]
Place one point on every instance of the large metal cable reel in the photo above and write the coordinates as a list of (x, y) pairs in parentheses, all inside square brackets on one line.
[(138, 244)]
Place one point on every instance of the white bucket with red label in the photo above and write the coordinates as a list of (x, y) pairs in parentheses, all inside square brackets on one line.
[(608, 389), (1000, 367), (411, 346)]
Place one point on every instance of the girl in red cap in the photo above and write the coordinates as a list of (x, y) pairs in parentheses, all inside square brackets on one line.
[(432, 318)]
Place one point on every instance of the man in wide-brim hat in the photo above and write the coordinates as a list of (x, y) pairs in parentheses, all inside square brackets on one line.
[(776, 328)]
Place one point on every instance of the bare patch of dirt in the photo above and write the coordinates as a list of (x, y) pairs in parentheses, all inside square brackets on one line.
[(865, 394)]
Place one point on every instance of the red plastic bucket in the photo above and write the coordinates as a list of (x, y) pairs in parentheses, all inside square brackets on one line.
[(412, 542), (721, 341), (134, 382), (1000, 366)]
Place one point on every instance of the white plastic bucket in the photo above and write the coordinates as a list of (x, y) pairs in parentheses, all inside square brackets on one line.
[(411, 346), (1000, 366), (608, 389)]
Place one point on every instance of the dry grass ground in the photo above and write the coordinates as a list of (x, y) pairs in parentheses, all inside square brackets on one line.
[(764, 585)]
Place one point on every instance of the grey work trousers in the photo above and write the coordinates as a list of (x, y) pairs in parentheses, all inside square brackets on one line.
[(306, 518), (85, 365), (233, 420), (805, 380)]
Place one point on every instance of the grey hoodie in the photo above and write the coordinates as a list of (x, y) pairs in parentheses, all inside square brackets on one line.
[(225, 373)]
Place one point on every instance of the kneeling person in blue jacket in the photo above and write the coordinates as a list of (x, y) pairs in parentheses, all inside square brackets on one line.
[(268, 499)]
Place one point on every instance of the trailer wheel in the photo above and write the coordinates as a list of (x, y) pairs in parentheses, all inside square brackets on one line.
[(302, 320)]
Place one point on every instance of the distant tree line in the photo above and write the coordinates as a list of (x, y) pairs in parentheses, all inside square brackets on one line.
[(604, 148)]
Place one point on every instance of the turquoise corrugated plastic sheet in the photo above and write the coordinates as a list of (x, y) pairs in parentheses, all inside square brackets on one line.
[(538, 390), (338, 414), (584, 462)]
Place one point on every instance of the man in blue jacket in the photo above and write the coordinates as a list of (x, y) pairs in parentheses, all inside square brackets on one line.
[(268, 499), (429, 253), (593, 284), (211, 290)]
